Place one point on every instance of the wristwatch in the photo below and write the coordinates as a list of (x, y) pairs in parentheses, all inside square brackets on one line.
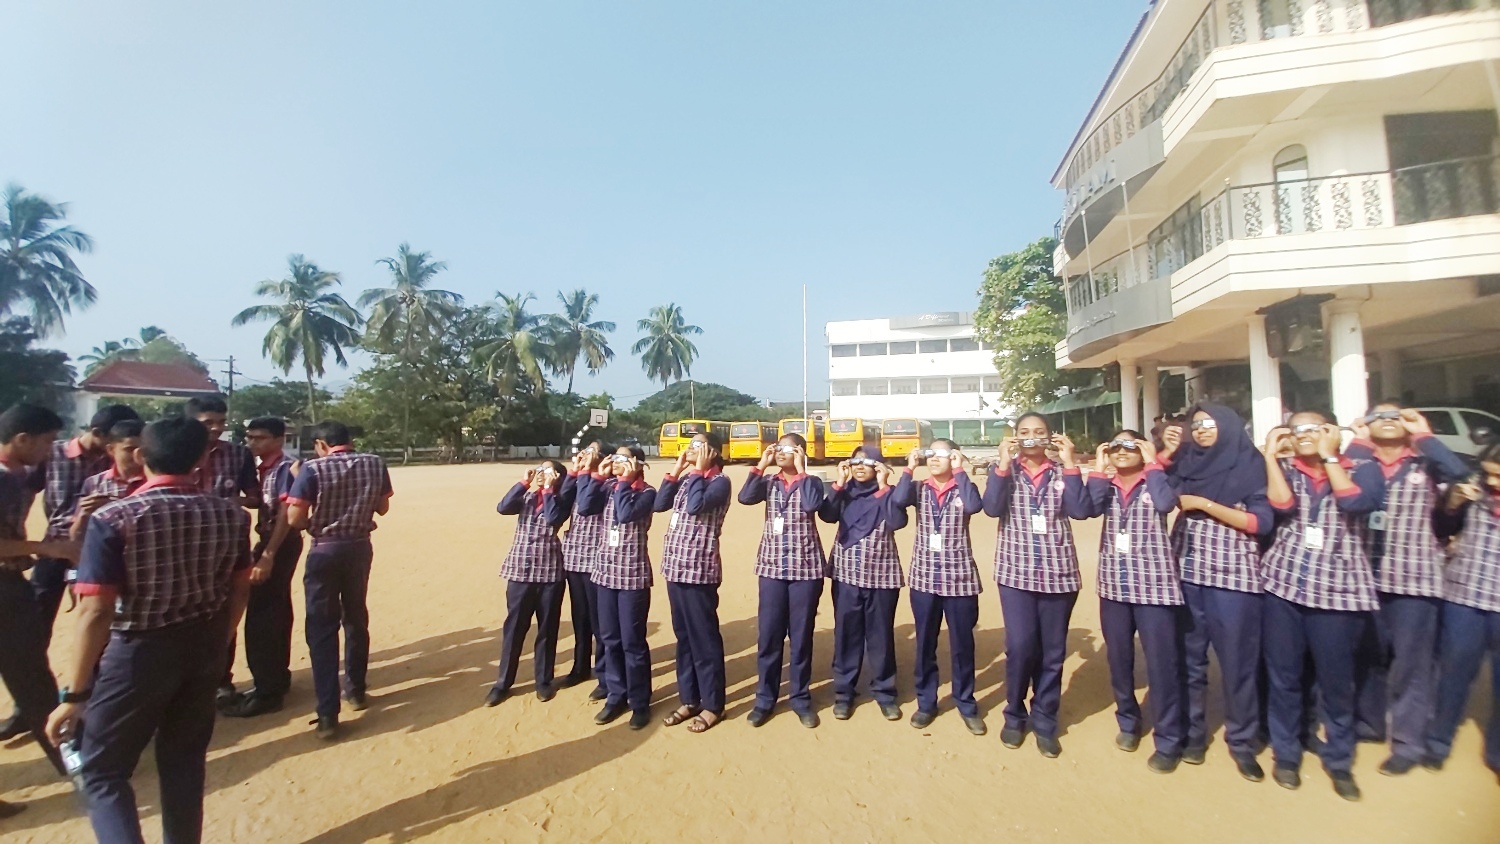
[(66, 695), (1329, 461)]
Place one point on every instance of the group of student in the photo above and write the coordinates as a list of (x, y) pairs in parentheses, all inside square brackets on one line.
[(1358, 583), (149, 530)]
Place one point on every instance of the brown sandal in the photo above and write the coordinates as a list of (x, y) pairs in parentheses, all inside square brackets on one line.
[(703, 725), (677, 716)]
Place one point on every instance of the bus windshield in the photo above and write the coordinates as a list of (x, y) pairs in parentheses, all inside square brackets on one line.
[(745, 431), (669, 429), (692, 429), (798, 426), (900, 426), (843, 426)]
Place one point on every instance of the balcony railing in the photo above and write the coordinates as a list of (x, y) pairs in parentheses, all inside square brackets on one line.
[(1464, 187)]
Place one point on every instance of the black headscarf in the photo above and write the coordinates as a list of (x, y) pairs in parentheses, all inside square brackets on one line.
[(1229, 471), (861, 512)]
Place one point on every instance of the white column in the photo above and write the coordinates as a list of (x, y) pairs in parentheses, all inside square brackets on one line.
[(1346, 359), (1130, 400), (1265, 381), (1390, 375), (1150, 395)]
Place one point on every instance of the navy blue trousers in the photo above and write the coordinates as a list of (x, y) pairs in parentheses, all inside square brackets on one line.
[(155, 684), (49, 582), (627, 657), (268, 622), (788, 610), (1291, 634), (962, 614), (1161, 631), (583, 609), (700, 645), (524, 601), (1036, 646), (1231, 623), (1396, 673), (1468, 633), (864, 623), (337, 579), (23, 659)]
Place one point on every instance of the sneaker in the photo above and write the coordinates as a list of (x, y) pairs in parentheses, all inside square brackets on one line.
[(1195, 755), (1344, 786), (759, 717), (1249, 768), (842, 710), (545, 693), (226, 694), (1287, 777), (357, 701), (610, 712), (1049, 746), (1433, 762), (327, 727), (1128, 742), (922, 719), (599, 693), (639, 719), (891, 711), (496, 695), (809, 719), (1012, 737), (1397, 766), (252, 704), (1163, 763), (975, 725)]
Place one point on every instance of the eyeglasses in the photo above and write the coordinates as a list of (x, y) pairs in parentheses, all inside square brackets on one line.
[(1391, 415), (1131, 445), (1205, 424), (1307, 428)]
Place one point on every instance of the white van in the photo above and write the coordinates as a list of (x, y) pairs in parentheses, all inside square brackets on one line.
[(1455, 426)]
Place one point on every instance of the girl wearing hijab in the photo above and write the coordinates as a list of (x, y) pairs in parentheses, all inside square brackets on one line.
[(1220, 478), (867, 581)]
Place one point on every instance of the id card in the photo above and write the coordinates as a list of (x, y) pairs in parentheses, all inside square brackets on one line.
[(1313, 537), (1122, 544), (1377, 520), (673, 525), (614, 537), (778, 525), (935, 542), (1038, 523)]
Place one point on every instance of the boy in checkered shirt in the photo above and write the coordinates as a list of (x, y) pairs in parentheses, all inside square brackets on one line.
[(623, 581), (124, 476)]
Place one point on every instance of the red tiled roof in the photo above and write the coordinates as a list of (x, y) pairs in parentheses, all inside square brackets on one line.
[(139, 377)]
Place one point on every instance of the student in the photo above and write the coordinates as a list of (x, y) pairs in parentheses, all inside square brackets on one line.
[(336, 498), (697, 494), (228, 469), (1319, 590), (1471, 612), (1398, 651), (27, 435), (1140, 593), (623, 579), (163, 578), (533, 578), (278, 547), (791, 567), (1036, 568), (580, 550), (124, 476), (945, 580), (1220, 479)]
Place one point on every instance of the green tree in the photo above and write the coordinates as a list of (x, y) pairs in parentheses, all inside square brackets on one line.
[(111, 351), (38, 376), (666, 352), (37, 270), (1023, 313), (282, 399), (167, 349), (576, 334), (308, 322), (519, 347)]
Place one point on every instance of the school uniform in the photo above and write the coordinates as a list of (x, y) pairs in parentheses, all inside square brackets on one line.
[(62, 476), (342, 489), (23, 628), (1319, 590), (693, 566), (268, 614), (1396, 670), (1471, 626), (168, 556), (791, 566), (1036, 568), (580, 549), (533, 572), (1140, 593), (228, 471), (945, 583), (623, 580), (110, 484)]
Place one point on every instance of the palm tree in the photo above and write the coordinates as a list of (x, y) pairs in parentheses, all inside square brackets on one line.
[(522, 346), (36, 260), (574, 335), (111, 351), (407, 311), (308, 321), (666, 352)]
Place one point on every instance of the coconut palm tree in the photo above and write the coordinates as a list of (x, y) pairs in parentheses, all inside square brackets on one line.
[(575, 334), (408, 311), (308, 321), (111, 351), (522, 346), (37, 270), (666, 352)]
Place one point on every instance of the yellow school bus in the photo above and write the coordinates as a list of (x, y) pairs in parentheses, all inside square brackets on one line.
[(667, 443), (845, 435), (899, 436), (816, 445), (748, 441)]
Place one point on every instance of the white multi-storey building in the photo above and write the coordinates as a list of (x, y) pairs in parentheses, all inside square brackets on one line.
[(1293, 202), (927, 366)]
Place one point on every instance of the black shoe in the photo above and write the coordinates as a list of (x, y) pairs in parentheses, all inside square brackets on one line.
[(1344, 786), (1049, 746), (357, 701), (1249, 768), (545, 693), (225, 695), (1287, 777), (639, 719), (922, 719), (1012, 737), (975, 725), (758, 717), (610, 712), (9, 729), (1313, 745), (809, 719), (576, 678), (1163, 763), (891, 711), (1194, 755), (1397, 766), (252, 704), (842, 710), (1433, 762), (599, 693), (327, 727), (496, 695), (1128, 742)]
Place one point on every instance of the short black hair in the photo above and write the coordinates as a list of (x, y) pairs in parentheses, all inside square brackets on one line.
[(1033, 414), (199, 405), (1131, 432), (126, 429), (28, 419), (174, 446), (715, 440), (797, 440), (635, 451), (1313, 411), (105, 418), (270, 424), (951, 445), (332, 433)]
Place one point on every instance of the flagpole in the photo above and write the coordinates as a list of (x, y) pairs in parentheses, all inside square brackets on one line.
[(804, 356)]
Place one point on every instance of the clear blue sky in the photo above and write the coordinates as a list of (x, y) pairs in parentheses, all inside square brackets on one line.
[(715, 154)]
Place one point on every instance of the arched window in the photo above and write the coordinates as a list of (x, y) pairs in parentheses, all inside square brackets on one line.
[(1293, 189)]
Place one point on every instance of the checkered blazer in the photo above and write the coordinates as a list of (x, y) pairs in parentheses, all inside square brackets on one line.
[(1146, 572), (535, 554), (698, 504), (624, 560), (796, 553), (1024, 559), (64, 481), (1335, 577), (1472, 577)]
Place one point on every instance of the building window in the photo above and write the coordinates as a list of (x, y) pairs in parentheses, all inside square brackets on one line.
[(1292, 189), (908, 347), (881, 387), (867, 350), (993, 384), (904, 387), (843, 350), (934, 385), (1175, 243), (963, 344), (928, 347), (967, 432), (965, 385), (845, 388)]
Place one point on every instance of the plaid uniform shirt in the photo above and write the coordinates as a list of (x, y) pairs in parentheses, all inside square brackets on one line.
[(1472, 577), (1214, 554), (1406, 554), (275, 486), (535, 554), (168, 554), (1146, 573), (343, 490), (229, 469), (1024, 559), (17, 492), (797, 552), (1335, 577), (953, 571), (66, 470), (624, 559), (580, 544), (691, 553), (110, 484)]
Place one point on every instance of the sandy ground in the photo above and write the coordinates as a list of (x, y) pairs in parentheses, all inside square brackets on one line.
[(427, 761)]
